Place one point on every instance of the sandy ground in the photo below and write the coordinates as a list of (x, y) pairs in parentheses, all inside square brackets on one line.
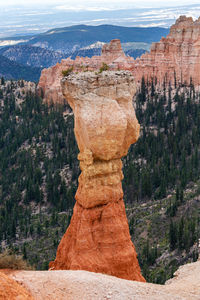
[(60, 285)]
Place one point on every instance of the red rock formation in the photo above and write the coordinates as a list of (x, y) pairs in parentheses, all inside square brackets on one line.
[(176, 55), (98, 237), (112, 51), (98, 240)]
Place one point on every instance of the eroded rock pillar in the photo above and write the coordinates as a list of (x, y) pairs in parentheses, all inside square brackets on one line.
[(98, 238)]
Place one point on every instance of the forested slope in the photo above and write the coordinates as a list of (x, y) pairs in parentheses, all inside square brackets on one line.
[(14, 70), (39, 171)]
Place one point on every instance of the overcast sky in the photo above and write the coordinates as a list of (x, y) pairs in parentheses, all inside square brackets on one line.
[(101, 4), (22, 17)]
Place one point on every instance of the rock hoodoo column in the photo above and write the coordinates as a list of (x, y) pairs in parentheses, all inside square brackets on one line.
[(98, 238)]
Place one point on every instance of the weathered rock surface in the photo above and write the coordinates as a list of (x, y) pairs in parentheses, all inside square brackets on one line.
[(176, 56), (75, 285), (11, 290), (98, 237), (105, 127), (98, 240), (112, 51), (112, 55)]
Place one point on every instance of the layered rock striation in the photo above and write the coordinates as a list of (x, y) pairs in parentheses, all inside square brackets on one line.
[(98, 237), (176, 58)]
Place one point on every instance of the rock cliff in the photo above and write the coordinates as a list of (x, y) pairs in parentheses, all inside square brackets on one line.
[(175, 59), (98, 237), (176, 56)]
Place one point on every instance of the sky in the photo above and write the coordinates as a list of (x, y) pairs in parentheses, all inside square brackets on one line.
[(92, 4), (28, 17)]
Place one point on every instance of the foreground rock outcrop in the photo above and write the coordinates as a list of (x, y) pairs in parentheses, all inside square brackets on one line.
[(98, 237), (11, 290), (175, 59), (49, 84), (76, 285)]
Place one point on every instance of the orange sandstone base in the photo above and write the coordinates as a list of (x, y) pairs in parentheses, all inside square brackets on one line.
[(11, 290), (98, 240)]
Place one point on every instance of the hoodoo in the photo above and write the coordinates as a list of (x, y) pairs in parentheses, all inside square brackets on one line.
[(98, 238), (105, 126)]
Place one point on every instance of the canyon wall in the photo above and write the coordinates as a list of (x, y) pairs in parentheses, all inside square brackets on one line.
[(98, 238), (175, 58)]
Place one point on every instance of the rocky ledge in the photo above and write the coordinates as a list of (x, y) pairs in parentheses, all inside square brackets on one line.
[(75, 285)]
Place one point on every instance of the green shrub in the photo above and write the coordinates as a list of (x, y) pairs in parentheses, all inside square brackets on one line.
[(104, 67), (67, 72)]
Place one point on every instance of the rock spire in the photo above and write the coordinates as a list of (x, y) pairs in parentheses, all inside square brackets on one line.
[(98, 237)]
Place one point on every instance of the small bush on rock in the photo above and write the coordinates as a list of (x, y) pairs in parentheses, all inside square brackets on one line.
[(9, 260), (104, 67), (67, 72)]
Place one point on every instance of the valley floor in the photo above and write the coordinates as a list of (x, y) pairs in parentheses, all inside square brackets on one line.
[(74, 285)]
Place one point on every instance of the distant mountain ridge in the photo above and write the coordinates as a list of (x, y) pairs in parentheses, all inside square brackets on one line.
[(36, 57), (74, 37), (68, 39), (47, 49), (32, 56)]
